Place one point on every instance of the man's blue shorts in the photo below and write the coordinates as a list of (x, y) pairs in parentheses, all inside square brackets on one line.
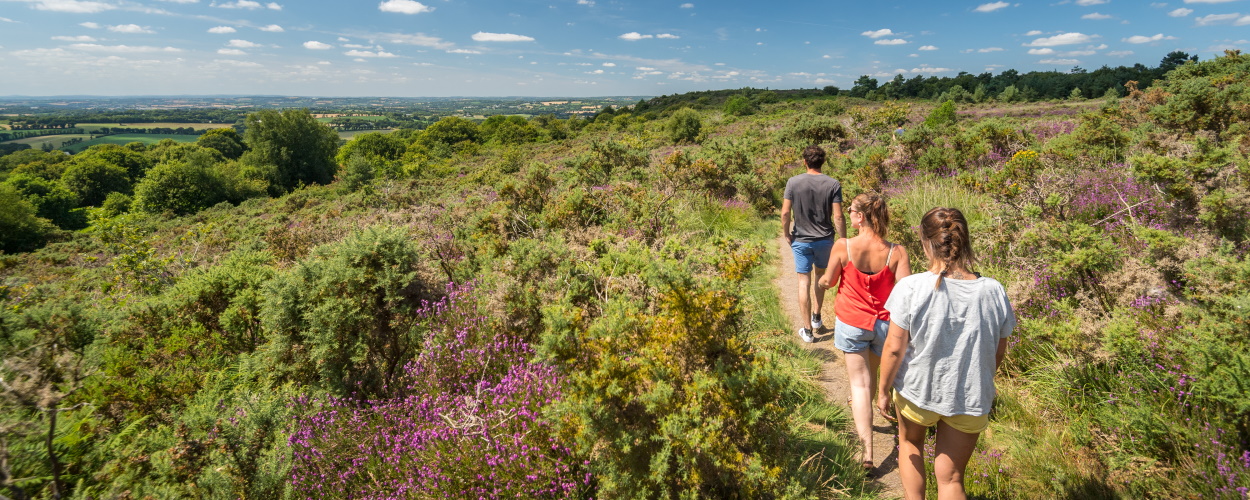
[(807, 253)]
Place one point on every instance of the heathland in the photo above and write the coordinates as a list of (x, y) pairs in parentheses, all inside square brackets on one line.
[(557, 308)]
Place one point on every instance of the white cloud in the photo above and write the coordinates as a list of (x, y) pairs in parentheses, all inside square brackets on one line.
[(927, 47), (1181, 12), (273, 28), (609, 65), (1033, 33), (913, 55), (990, 49), (418, 39), (133, 29), (644, 68), (1059, 61), (82, 38), (366, 53), (595, 72), (221, 29), (1041, 52), (891, 41), (1209, 1), (878, 34), (1087, 3), (1215, 19), (669, 36), (586, 2), (242, 44), (240, 4), (315, 45), (404, 7), (991, 7), (241, 64), (1079, 53), (482, 36), (122, 48), (1120, 53), (231, 52), (1061, 39), (73, 6), (1146, 39), (90, 25), (1242, 22), (273, 6), (1096, 16), (464, 51), (633, 35), (687, 6), (7, 20)]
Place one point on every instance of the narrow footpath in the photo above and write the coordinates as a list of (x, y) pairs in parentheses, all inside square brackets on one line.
[(832, 378)]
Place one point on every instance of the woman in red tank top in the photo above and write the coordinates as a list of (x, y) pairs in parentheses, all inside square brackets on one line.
[(864, 268)]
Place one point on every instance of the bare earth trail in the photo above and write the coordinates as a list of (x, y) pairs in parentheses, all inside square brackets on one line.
[(832, 378)]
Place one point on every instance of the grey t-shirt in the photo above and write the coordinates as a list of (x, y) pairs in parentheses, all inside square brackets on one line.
[(949, 367), (811, 201)]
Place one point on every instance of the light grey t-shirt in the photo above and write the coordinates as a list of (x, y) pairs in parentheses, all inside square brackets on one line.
[(811, 201), (949, 367)]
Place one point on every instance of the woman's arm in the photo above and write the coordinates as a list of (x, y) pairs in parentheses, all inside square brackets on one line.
[(902, 266), (891, 361), (1002, 353), (837, 261)]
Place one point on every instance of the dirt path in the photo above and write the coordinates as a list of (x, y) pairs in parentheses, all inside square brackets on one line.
[(833, 371)]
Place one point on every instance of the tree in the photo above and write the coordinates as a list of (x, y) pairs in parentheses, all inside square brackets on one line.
[(383, 150), (93, 179), (739, 105), (863, 86), (1174, 59), (942, 115), (224, 140), (451, 133), (133, 162), (504, 129), (181, 188), (50, 199), (297, 148), (20, 229)]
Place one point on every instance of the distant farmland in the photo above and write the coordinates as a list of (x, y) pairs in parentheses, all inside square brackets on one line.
[(123, 139), (347, 135), (92, 127), (56, 140)]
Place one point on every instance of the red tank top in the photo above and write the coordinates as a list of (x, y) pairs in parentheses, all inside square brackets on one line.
[(861, 297)]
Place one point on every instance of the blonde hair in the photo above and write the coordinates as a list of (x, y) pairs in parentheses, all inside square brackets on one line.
[(876, 213), (944, 232)]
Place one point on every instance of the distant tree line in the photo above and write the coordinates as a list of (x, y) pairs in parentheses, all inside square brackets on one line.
[(157, 116), (22, 134)]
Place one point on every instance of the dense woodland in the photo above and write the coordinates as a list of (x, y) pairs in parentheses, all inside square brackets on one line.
[(552, 308)]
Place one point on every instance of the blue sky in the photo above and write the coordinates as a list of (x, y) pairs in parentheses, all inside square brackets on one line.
[(573, 47)]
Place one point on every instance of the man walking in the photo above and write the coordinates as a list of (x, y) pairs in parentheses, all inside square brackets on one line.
[(815, 199)]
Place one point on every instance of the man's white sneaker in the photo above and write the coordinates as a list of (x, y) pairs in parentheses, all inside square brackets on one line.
[(817, 324), (806, 335)]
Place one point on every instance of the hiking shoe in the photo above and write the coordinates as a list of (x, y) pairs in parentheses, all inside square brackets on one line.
[(817, 325), (806, 335)]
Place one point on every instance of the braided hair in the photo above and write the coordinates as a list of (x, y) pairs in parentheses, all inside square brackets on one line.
[(876, 213), (944, 233)]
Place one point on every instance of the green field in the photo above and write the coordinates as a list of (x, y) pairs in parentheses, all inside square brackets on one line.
[(349, 134), (123, 139), (372, 118), (92, 127), (56, 140)]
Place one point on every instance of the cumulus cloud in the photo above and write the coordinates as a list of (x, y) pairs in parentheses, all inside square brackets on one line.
[(1096, 16), (586, 2), (990, 49), (669, 36), (73, 6), (991, 7), (1216, 19), (1181, 12), (92, 47), (1041, 52), (1209, 1), (133, 29), (221, 29), (878, 34), (609, 65), (1242, 22), (273, 6), (240, 4), (482, 36), (366, 53), (927, 47), (231, 52), (464, 51), (1087, 3), (1061, 39), (1059, 61), (633, 35), (1033, 33), (687, 6), (91, 25), (273, 28), (1146, 39), (418, 39), (242, 44), (315, 45), (404, 7), (82, 38), (891, 41), (1120, 53)]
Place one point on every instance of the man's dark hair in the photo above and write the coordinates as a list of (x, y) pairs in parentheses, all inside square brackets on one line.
[(814, 156)]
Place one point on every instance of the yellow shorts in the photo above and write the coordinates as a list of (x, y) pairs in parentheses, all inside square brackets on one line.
[(962, 423)]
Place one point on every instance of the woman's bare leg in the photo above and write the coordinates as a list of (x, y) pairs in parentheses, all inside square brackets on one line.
[(911, 457), (857, 371), (954, 449)]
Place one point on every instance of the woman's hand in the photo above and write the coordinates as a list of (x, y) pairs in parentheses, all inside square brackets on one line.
[(885, 406)]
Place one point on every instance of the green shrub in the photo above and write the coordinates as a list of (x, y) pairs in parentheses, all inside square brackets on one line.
[(20, 229), (93, 179), (944, 114), (684, 126), (739, 105), (51, 200), (808, 129), (180, 188), (225, 140)]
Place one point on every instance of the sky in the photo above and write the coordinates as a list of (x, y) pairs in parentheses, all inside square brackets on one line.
[(573, 48)]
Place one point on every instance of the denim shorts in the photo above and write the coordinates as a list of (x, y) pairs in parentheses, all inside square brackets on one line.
[(807, 253), (848, 338)]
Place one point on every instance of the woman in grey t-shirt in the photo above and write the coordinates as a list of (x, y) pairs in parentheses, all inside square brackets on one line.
[(948, 334)]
